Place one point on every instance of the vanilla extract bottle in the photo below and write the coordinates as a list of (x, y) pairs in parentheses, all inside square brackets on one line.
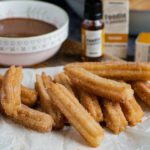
[(92, 31)]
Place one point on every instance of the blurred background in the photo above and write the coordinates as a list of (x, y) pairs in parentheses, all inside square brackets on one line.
[(139, 19)]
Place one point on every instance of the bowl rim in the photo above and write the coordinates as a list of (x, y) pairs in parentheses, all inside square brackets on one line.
[(38, 36)]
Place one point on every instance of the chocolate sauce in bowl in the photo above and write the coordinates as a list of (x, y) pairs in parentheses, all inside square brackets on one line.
[(22, 27)]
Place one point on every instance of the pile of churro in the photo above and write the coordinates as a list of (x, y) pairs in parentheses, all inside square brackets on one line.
[(89, 96)]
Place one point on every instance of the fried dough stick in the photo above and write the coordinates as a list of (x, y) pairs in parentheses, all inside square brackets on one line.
[(1, 108), (132, 111), (28, 96), (91, 104), (113, 116), (76, 114), (42, 83), (110, 89), (63, 79), (33, 119), (128, 71), (1, 79), (11, 91), (11, 103), (142, 90)]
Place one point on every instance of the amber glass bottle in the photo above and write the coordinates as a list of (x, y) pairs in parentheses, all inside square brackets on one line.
[(92, 31)]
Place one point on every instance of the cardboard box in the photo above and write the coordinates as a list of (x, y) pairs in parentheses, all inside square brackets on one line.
[(143, 48), (116, 18)]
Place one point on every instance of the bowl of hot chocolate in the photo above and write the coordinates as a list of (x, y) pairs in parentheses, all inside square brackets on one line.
[(30, 31)]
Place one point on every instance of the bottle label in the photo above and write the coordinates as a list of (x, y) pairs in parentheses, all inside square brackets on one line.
[(93, 42)]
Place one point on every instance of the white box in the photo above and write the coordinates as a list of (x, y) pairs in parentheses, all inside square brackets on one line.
[(116, 18), (143, 48)]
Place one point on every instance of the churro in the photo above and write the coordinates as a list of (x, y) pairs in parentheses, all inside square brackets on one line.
[(33, 119), (106, 88), (42, 83), (91, 104), (76, 114), (1, 79), (142, 90), (113, 116), (11, 103), (11, 91), (63, 79), (28, 96), (132, 111), (1, 108), (128, 71)]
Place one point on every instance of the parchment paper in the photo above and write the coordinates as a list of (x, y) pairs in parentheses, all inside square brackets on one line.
[(16, 137)]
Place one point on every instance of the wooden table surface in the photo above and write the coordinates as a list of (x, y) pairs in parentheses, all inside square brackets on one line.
[(69, 52)]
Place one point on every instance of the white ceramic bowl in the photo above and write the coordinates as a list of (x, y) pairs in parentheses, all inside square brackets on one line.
[(32, 50)]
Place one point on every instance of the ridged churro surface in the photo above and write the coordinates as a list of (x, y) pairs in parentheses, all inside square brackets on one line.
[(99, 86), (63, 79), (142, 90), (33, 119), (28, 96), (91, 104), (42, 83), (113, 116), (128, 71), (11, 103), (132, 111), (76, 114), (11, 91)]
